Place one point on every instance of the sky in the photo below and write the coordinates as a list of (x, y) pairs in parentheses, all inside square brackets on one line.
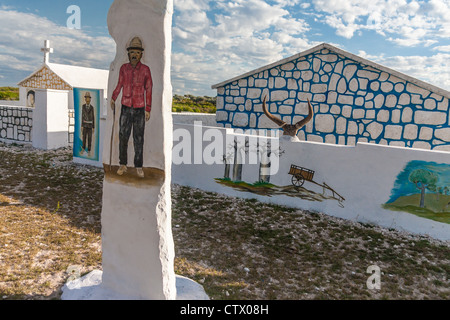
[(214, 41)]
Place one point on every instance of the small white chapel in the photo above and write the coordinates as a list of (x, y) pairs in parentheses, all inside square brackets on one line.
[(53, 76), (49, 90)]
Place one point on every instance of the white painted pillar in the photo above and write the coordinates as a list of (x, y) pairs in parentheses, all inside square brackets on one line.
[(50, 119), (137, 242), (138, 249)]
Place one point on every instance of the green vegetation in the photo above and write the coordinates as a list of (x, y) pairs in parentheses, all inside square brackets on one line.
[(190, 103), (9, 93), (186, 103), (422, 189), (435, 206), (262, 188), (259, 184)]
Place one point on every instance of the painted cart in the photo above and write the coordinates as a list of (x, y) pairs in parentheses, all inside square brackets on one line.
[(300, 175)]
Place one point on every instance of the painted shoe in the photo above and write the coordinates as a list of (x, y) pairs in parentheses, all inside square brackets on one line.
[(140, 172), (122, 170)]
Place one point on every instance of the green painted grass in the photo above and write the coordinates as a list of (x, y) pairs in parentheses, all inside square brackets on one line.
[(437, 207)]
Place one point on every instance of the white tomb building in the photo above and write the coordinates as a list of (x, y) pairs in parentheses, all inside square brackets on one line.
[(49, 90)]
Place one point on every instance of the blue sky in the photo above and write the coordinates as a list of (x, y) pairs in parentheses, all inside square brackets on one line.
[(216, 40)]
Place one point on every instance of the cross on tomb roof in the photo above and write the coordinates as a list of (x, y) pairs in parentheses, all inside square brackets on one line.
[(47, 50)]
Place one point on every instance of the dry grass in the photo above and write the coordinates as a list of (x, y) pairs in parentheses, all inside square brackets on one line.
[(49, 221), (270, 252), (238, 249)]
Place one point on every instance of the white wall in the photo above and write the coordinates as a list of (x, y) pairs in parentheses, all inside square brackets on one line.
[(364, 175), (39, 131), (189, 118), (57, 119), (9, 103), (50, 119), (178, 118)]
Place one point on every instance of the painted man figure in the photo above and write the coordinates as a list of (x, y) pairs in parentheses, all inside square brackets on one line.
[(87, 123), (31, 99), (135, 82)]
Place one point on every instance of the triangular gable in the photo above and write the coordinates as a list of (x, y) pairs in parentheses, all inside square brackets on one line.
[(45, 78), (81, 77), (346, 54)]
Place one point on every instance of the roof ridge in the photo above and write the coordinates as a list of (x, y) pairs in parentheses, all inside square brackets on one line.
[(347, 54), (65, 73), (72, 66)]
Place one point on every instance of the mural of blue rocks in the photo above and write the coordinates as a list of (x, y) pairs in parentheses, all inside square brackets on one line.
[(354, 100)]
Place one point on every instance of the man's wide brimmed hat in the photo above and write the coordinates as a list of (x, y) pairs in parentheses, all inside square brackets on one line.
[(136, 44)]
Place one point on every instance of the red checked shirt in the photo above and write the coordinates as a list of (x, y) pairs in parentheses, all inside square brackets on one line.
[(137, 86)]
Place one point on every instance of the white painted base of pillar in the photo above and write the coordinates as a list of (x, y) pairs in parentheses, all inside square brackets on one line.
[(90, 287)]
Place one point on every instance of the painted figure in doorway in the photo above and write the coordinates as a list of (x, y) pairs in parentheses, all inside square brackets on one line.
[(87, 123), (31, 99), (135, 82)]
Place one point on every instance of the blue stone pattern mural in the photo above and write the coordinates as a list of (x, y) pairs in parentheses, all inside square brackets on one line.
[(353, 102)]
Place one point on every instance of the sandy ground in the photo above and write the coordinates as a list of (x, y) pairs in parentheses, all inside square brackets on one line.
[(237, 249)]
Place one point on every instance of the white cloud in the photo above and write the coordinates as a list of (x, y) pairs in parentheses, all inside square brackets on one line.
[(442, 48), (217, 40), (432, 69), (23, 35), (409, 22), (6, 7), (235, 36), (185, 5), (288, 3)]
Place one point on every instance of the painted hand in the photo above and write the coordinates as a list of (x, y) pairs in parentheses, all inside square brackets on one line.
[(113, 104), (147, 116)]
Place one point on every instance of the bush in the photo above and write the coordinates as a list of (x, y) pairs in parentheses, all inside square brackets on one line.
[(9, 93), (190, 103)]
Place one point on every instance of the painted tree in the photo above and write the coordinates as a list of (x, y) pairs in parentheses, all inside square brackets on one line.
[(436, 189), (236, 149), (227, 161), (240, 150), (423, 179), (264, 150)]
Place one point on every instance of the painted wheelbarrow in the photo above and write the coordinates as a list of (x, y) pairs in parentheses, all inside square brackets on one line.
[(300, 175)]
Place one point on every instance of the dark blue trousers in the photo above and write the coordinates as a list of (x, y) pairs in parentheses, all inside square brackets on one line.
[(132, 119)]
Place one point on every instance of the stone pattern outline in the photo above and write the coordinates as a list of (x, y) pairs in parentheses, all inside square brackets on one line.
[(353, 103), (16, 124), (45, 79)]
